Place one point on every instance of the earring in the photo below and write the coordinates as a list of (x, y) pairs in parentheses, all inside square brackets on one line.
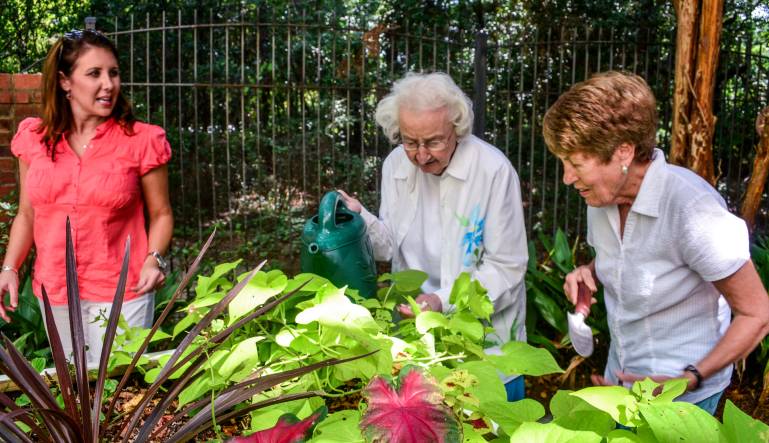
[(624, 169), (68, 95)]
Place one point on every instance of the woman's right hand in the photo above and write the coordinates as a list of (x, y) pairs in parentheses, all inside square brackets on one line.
[(582, 274), (352, 203), (9, 282)]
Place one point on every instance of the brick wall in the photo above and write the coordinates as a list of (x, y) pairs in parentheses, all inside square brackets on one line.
[(19, 98)]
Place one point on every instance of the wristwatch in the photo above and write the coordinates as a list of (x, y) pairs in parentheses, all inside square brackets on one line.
[(697, 375), (162, 262)]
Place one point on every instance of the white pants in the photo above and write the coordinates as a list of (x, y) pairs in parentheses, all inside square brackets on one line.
[(137, 312)]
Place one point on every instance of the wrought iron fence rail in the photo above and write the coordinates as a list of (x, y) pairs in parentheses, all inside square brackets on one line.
[(265, 116)]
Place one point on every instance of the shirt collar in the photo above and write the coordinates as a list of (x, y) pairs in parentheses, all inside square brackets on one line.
[(647, 202), (104, 127)]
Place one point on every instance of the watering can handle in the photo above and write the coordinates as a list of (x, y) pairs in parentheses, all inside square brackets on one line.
[(328, 208)]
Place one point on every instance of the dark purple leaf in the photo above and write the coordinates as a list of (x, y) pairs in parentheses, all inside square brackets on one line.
[(109, 338), (179, 289), (59, 359), (78, 337)]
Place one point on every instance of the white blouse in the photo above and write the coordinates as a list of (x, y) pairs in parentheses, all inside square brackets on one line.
[(482, 230), (662, 307)]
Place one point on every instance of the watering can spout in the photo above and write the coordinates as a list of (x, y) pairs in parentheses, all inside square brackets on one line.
[(335, 245)]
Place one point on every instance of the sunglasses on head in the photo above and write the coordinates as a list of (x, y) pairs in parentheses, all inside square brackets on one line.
[(77, 34)]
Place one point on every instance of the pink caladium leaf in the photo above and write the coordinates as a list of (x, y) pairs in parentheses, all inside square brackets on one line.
[(412, 411), (289, 429)]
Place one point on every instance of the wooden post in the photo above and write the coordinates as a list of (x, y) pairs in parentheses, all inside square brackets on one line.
[(703, 120), (686, 40), (697, 48), (760, 171)]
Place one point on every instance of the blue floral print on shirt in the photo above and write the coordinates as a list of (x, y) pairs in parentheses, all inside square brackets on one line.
[(472, 241)]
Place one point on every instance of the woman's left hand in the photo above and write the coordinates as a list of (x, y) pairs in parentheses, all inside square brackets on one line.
[(627, 378), (426, 302), (150, 277)]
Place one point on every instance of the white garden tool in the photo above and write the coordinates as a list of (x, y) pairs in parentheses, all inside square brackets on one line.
[(580, 333)]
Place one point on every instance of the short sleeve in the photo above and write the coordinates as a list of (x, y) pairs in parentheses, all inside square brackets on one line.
[(715, 243), (27, 140), (156, 150)]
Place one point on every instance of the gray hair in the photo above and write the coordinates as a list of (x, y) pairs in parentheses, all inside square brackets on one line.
[(425, 92)]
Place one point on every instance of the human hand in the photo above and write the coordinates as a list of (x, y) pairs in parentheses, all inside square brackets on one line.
[(9, 282), (352, 203), (582, 274), (628, 378), (600, 380), (426, 302), (150, 277)]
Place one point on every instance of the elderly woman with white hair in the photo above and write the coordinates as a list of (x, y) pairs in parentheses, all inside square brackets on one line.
[(451, 203)]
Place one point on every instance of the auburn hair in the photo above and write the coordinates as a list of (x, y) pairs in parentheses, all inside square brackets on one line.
[(599, 114)]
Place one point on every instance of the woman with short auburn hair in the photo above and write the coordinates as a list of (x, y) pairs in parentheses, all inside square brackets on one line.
[(666, 247)]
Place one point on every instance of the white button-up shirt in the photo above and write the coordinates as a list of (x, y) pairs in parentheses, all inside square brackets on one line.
[(481, 227), (662, 307)]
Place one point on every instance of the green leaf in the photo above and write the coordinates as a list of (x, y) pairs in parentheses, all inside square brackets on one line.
[(336, 310), (489, 387), (193, 316), (407, 281), (680, 422), (562, 252), (210, 283), (314, 283), (510, 415), (574, 413), (467, 325), (470, 435), (262, 287), (339, 427), (671, 390), (550, 311), (151, 375), (244, 354), (522, 358), (616, 401), (552, 433), (739, 427), (625, 436), (38, 364), (428, 320)]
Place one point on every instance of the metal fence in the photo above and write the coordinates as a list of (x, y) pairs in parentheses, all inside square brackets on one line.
[(265, 114)]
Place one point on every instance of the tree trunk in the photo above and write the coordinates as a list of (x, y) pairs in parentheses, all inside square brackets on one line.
[(686, 40), (760, 171), (703, 121)]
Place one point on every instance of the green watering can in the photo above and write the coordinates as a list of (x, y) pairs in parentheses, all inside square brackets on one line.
[(335, 245)]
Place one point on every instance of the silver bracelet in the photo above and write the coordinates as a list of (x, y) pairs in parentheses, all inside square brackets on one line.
[(9, 268)]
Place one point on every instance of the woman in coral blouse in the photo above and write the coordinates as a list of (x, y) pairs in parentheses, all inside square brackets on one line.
[(89, 160)]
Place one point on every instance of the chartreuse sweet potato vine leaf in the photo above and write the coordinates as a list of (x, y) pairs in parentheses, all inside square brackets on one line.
[(680, 421), (262, 287), (289, 429), (339, 427), (552, 433), (521, 358), (574, 413), (411, 410), (407, 281), (739, 427), (616, 401)]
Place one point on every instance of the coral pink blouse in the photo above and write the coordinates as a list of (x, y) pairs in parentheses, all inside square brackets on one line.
[(101, 194)]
